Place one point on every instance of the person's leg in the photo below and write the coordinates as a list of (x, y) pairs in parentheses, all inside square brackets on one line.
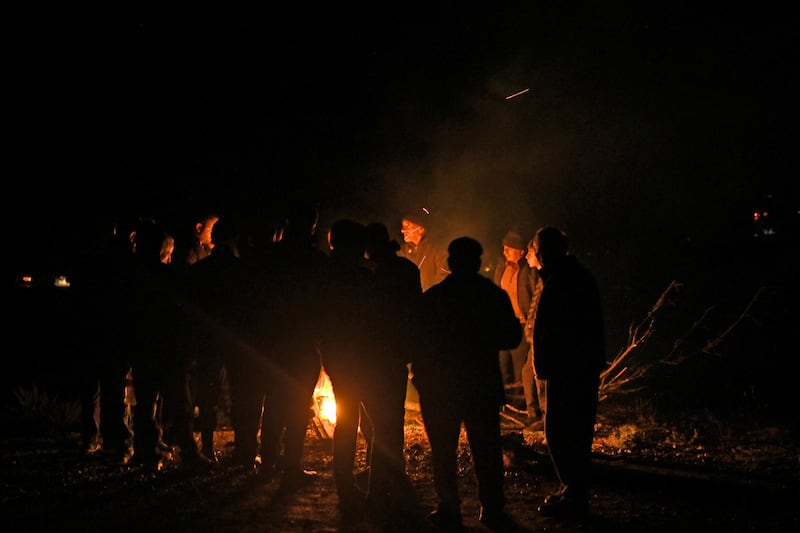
[(273, 419), (519, 356), (206, 399), (483, 433), (247, 399), (385, 406), (506, 366), (298, 414), (569, 442), (443, 426), (147, 430), (531, 390), (577, 446), (345, 439), (541, 394)]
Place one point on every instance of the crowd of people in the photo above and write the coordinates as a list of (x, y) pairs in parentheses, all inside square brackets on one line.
[(266, 312)]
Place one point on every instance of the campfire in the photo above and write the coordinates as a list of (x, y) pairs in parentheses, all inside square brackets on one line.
[(324, 406)]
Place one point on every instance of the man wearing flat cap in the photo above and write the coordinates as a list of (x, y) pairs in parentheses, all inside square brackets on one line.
[(422, 249), (519, 280)]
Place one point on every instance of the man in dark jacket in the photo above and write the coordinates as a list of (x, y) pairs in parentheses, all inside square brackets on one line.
[(467, 319), (348, 316), (295, 265), (423, 249), (398, 289), (569, 348)]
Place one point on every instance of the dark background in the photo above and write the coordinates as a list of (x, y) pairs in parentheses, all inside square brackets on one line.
[(647, 133)]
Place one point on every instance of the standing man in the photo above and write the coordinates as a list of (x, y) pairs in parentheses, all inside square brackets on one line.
[(348, 312), (398, 288), (430, 257), (569, 354), (516, 277), (466, 320), (294, 266), (203, 367), (214, 293), (422, 249)]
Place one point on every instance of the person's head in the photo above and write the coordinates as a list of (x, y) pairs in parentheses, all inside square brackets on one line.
[(147, 240), (167, 249), (550, 245), (530, 256), (225, 235), (379, 243), (464, 255), (513, 247), (300, 221), (412, 229), (204, 227), (347, 237)]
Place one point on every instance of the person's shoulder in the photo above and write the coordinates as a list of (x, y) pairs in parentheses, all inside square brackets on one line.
[(405, 263), (434, 242), (437, 288)]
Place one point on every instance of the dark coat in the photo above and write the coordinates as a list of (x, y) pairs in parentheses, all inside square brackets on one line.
[(349, 313), (398, 288), (466, 320), (431, 259), (568, 339)]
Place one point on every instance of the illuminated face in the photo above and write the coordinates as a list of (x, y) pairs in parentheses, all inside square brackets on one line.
[(412, 232), (204, 230), (167, 249), (512, 255), (533, 259)]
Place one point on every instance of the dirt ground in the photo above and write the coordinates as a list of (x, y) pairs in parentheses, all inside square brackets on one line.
[(50, 485)]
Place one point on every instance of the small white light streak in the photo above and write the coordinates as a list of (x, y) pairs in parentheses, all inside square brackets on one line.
[(523, 91)]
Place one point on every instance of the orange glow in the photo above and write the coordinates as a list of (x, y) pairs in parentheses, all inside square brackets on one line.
[(324, 399)]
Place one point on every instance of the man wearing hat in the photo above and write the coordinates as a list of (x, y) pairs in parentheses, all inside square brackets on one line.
[(520, 282), (422, 249), (465, 320)]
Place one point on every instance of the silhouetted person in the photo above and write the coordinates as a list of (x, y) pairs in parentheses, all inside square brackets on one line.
[(348, 314), (153, 323), (96, 281), (254, 368), (569, 354), (201, 367), (466, 320), (294, 267), (214, 306), (528, 371), (398, 289)]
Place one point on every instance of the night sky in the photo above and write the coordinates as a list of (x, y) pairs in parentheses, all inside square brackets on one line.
[(639, 127)]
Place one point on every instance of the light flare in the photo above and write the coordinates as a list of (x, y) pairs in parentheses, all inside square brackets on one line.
[(523, 91)]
